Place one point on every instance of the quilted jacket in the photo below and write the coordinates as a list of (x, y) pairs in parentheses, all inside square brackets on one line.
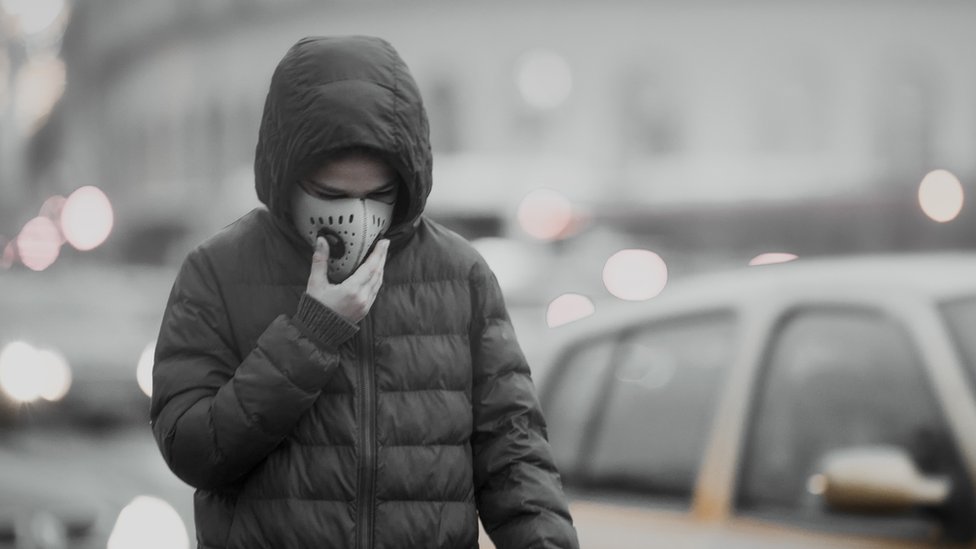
[(299, 429)]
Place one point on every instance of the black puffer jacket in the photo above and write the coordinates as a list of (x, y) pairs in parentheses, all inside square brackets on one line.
[(301, 430)]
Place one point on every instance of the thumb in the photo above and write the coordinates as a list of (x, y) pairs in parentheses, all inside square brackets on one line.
[(320, 258)]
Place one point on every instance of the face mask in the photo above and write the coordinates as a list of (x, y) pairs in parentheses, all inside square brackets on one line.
[(355, 224)]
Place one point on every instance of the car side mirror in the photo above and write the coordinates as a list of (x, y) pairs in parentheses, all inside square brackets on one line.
[(878, 479)]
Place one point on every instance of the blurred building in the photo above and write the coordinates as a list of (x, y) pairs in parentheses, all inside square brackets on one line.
[(702, 124), (31, 83)]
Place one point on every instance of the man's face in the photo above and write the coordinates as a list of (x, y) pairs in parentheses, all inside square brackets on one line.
[(357, 175), (349, 200)]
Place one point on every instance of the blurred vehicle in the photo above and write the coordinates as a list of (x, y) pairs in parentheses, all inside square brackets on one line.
[(78, 464), (818, 403)]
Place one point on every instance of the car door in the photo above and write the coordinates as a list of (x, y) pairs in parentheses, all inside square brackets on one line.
[(838, 378), (629, 415)]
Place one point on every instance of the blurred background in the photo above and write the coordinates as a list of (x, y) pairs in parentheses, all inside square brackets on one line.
[(595, 152), (709, 133)]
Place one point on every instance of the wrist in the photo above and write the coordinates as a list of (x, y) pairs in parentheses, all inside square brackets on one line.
[(322, 324)]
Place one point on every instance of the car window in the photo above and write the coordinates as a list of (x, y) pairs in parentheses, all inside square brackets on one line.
[(840, 379), (660, 402), (569, 403), (961, 316)]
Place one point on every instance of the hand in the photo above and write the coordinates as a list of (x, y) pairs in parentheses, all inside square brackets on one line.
[(353, 297)]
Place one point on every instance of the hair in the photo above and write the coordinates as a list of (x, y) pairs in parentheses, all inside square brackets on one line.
[(314, 162)]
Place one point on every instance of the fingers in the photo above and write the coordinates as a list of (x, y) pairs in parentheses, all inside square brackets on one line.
[(353, 298), (320, 257), (365, 283), (372, 287), (319, 272), (364, 274), (376, 280)]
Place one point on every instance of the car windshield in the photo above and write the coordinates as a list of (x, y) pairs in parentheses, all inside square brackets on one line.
[(961, 317)]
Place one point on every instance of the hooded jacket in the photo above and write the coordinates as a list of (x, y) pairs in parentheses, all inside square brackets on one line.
[(299, 429)]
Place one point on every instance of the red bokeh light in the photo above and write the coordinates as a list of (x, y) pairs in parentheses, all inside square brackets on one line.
[(39, 243), (545, 214)]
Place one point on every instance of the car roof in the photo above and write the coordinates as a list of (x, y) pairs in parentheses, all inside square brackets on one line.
[(931, 276), (936, 276)]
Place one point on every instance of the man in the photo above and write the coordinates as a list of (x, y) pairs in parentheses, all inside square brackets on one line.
[(319, 399)]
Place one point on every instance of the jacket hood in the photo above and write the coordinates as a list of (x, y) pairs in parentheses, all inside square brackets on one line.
[(330, 93)]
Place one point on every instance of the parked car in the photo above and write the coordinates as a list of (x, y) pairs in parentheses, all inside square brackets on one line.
[(79, 467), (818, 403)]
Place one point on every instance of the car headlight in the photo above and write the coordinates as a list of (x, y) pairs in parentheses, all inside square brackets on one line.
[(28, 373), (148, 522)]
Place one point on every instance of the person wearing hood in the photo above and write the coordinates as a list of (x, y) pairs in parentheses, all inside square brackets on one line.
[(335, 369)]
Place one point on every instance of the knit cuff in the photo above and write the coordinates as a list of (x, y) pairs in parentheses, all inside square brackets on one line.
[(322, 324)]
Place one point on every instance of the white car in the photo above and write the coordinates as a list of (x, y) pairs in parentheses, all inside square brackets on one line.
[(818, 403), (79, 466)]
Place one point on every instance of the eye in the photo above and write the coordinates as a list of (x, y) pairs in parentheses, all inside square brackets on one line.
[(319, 191), (387, 195)]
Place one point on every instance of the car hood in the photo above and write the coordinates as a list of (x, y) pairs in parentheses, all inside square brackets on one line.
[(83, 479)]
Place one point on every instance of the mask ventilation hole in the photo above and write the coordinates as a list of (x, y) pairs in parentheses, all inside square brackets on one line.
[(340, 219), (311, 220), (320, 221), (350, 219), (330, 220)]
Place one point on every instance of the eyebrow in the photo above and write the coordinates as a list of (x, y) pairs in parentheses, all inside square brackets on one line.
[(319, 186)]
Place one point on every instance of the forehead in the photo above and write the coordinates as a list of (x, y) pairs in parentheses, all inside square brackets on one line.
[(356, 172)]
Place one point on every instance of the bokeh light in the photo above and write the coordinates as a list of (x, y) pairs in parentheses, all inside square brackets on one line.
[(545, 214), (9, 254), (144, 368), (817, 484), (771, 258), (568, 308), (87, 218), (34, 16), (27, 373), (54, 373), (39, 86), (17, 375), (39, 244), (544, 79), (941, 196), (52, 207), (148, 522), (635, 274)]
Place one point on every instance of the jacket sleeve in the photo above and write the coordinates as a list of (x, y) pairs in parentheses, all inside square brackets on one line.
[(216, 415), (517, 487)]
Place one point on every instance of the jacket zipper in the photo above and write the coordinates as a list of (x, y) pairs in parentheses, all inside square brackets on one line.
[(367, 438)]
